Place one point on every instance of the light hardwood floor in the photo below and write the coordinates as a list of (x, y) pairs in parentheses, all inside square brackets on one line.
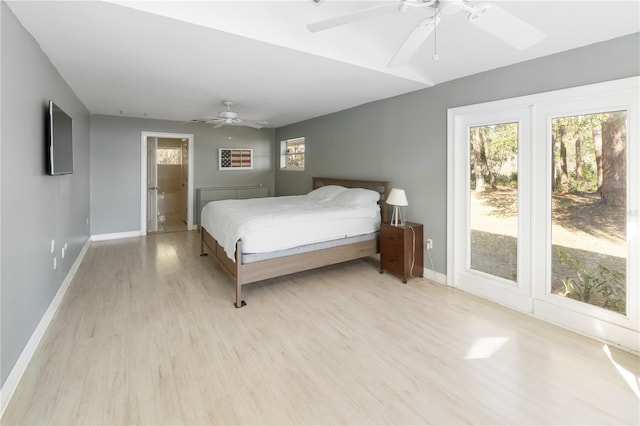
[(148, 334), (172, 222)]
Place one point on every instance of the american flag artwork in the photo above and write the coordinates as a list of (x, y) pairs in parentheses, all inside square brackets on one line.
[(235, 159)]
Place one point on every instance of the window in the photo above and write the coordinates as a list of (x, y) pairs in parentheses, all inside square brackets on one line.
[(292, 154), (493, 199), (169, 156), (589, 208)]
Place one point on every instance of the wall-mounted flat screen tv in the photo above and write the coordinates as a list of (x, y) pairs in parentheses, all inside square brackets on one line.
[(59, 142)]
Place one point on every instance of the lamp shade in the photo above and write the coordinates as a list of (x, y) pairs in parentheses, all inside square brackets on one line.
[(397, 197)]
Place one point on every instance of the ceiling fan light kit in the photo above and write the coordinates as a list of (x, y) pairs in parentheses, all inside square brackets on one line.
[(451, 7)]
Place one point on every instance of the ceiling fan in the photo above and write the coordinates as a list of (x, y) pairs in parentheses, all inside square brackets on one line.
[(230, 118), (488, 17)]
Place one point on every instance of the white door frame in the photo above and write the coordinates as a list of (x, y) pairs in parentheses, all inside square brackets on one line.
[(143, 176), (501, 290)]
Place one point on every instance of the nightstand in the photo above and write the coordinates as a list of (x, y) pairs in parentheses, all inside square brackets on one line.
[(401, 250)]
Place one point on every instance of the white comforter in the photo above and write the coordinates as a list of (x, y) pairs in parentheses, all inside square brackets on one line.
[(284, 222)]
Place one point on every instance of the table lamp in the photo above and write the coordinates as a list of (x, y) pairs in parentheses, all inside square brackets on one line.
[(397, 198)]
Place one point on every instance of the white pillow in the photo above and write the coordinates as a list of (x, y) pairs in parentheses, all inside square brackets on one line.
[(326, 193), (357, 197)]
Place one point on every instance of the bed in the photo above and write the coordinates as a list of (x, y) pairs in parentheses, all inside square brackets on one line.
[(265, 258)]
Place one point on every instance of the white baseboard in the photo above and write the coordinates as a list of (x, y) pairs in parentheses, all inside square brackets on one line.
[(11, 384), (435, 276), (115, 236)]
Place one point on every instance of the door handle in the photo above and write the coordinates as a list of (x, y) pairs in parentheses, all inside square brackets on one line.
[(153, 188)]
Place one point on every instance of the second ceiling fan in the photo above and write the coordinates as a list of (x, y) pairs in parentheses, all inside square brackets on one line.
[(488, 17), (230, 118)]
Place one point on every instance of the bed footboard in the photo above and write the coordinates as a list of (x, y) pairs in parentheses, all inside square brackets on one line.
[(248, 273)]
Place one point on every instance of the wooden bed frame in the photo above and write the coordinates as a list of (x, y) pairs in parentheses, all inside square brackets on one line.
[(257, 271)]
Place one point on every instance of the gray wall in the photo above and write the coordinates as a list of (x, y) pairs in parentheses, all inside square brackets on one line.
[(116, 174), (36, 208), (403, 139)]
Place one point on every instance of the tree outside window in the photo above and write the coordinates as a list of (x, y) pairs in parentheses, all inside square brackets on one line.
[(292, 152)]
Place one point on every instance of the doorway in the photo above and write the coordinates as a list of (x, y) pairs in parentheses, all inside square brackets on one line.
[(166, 182)]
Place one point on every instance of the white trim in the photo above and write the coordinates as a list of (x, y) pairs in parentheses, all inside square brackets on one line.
[(586, 325), (143, 176), (284, 155), (11, 384), (434, 276), (451, 185), (504, 295), (504, 291), (116, 235)]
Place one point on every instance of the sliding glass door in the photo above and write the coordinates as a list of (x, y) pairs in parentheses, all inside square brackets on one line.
[(544, 194)]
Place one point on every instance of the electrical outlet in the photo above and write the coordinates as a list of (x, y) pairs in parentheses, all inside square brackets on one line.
[(55, 263), (429, 243), (62, 253), (53, 246)]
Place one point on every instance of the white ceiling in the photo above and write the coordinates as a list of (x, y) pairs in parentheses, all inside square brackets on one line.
[(179, 60)]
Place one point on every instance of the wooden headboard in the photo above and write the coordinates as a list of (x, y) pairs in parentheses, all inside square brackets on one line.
[(380, 186)]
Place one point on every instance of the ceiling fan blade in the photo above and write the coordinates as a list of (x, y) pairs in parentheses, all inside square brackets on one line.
[(505, 26), (355, 16), (254, 124), (414, 40)]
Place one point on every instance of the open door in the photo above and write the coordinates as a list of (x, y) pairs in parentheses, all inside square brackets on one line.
[(185, 180), (152, 185)]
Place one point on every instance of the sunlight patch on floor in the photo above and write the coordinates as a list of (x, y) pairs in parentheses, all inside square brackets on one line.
[(485, 347), (627, 376)]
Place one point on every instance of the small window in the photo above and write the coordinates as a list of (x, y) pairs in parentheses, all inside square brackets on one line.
[(292, 154), (169, 156)]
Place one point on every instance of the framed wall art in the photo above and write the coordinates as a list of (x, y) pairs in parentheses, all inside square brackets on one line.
[(235, 159)]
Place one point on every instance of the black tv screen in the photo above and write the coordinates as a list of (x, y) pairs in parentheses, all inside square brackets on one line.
[(59, 141)]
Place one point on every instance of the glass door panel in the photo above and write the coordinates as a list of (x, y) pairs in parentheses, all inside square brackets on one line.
[(493, 200), (152, 185), (589, 209)]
